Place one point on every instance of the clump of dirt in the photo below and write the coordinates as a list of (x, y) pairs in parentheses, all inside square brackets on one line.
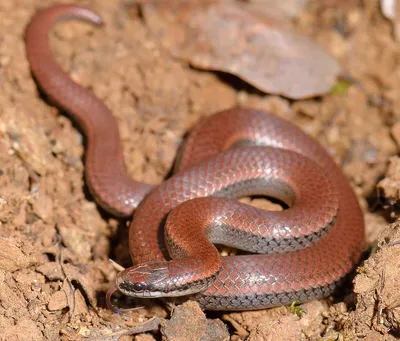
[(55, 242), (377, 289)]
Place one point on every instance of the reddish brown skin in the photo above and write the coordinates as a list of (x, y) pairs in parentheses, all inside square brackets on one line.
[(113, 188), (309, 247)]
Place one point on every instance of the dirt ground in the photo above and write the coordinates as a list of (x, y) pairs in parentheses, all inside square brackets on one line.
[(55, 243)]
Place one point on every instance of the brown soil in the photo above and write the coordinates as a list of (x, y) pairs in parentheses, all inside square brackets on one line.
[(55, 243)]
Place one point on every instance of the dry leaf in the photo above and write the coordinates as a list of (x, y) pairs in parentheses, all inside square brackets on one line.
[(224, 36)]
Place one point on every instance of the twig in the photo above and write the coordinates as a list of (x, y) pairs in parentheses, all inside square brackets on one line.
[(116, 266), (150, 325), (71, 297)]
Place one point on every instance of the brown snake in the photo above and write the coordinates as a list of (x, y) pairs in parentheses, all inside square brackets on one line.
[(306, 249)]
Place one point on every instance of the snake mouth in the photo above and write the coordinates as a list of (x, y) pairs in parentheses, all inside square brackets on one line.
[(139, 290), (112, 307)]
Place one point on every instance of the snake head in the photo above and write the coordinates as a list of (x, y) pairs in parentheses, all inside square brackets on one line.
[(147, 280)]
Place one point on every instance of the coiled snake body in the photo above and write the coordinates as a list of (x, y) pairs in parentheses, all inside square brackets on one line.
[(305, 250)]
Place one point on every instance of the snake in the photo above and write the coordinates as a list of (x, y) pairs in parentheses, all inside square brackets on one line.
[(300, 253)]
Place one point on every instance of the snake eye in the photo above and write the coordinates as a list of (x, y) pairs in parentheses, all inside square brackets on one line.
[(138, 286)]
